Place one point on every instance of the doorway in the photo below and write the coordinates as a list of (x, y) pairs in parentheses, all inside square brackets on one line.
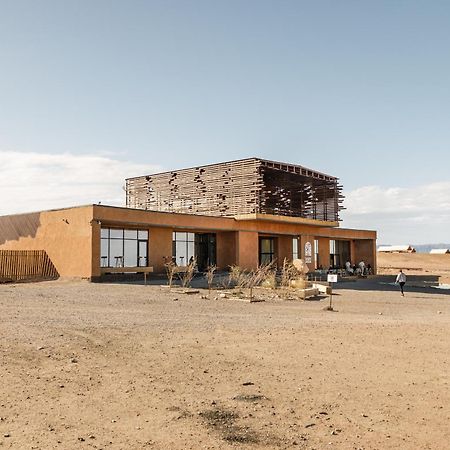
[(205, 250)]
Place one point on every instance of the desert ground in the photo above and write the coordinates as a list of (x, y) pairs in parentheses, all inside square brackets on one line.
[(128, 366), (423, 264)]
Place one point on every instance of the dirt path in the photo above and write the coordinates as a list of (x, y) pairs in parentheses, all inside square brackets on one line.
[(126, 367)]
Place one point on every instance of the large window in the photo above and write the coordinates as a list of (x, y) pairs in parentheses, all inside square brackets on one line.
[(123, 248), (183, 245)]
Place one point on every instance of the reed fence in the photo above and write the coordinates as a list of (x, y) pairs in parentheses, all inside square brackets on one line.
[(19, 265)]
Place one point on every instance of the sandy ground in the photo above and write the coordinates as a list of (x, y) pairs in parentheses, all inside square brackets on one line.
[(116, 366), (415, 264)]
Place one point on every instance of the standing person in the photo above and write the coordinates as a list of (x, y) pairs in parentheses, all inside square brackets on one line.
[(401, 280)]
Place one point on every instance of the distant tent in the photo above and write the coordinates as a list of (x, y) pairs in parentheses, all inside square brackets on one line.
[(397, 249), (439, 251)]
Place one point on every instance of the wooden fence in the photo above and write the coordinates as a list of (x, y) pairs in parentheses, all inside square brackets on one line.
[(17, 265)]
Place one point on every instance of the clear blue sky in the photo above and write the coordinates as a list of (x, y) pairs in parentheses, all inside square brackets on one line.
[(357, 89)]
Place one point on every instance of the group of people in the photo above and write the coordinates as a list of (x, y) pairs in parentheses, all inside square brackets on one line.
[(360, 269), (363, 269)]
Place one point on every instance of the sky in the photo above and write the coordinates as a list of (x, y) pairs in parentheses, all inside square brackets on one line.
[(92, 92)]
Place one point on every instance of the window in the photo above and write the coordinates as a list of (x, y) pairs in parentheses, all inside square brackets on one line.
[(333, 255), (123, 248), (294, 248), (316, 252), (183, 245), (266, 250)]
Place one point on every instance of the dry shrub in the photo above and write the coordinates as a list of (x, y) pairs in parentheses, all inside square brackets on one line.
[(288, 273), (270, 281), (257, 276), (237, 276), (249, 279), (209, 275), (188, 274), (170, 271)]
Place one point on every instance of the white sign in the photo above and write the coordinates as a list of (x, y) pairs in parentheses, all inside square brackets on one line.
[(332, 278), (308, 249)]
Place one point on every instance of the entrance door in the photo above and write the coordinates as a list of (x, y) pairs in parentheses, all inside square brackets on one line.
[(142, 253), (339, 253), (205, 250)]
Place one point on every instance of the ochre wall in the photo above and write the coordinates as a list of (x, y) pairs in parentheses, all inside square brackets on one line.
[(284, 249), (123, 216), (160, 248), (364, 252), (324, 252), (248, 251), (96, 249), (66, 236), (226, 250)]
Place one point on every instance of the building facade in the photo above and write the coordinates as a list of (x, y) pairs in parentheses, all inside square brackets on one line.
[(248, 226)]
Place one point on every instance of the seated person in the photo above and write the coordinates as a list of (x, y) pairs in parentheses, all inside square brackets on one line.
[(348, 268), (362, 267)]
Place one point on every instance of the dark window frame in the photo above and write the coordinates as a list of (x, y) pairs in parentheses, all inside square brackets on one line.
[(140, 237)]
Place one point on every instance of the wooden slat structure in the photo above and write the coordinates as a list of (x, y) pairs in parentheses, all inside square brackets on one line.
[(247, 186), (19, 265)]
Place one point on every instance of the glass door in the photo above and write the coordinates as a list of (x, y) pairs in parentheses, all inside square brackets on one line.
[(142, 253)]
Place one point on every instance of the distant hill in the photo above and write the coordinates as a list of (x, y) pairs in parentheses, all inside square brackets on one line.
[(424, 248)]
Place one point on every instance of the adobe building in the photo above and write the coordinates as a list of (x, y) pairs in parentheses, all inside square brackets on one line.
[(246, 212)]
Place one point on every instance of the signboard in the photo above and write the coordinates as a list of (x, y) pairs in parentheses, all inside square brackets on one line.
[(308, 249), (332, 278)]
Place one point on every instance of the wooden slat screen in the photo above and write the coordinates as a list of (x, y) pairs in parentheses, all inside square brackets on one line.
[(17, 265), (245, 186)]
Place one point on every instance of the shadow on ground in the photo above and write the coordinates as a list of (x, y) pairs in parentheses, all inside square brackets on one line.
[(415, 283)]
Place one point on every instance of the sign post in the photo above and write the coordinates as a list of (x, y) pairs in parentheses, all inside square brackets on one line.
[(331, 278)]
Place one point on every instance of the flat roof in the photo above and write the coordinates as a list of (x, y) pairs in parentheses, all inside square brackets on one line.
[(250, 217), (265, 161)]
